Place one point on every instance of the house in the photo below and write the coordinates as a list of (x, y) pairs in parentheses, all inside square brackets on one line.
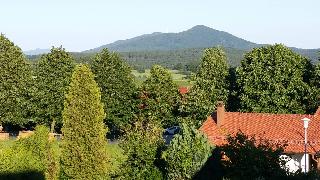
[(278, 128)]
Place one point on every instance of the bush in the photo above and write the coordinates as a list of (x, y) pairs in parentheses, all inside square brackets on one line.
[(35, 157), (251, 158)]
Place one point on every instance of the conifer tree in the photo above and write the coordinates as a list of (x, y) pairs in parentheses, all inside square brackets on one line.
[(187, 152), (141, 142), (15, 78), (52, 73), (210, 85), (118, 89), (83, 144), (160, 96)]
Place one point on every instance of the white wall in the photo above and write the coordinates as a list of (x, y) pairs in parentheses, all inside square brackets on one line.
[(296, 162)]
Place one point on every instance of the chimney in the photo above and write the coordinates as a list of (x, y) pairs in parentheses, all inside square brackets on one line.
[(220, 113)]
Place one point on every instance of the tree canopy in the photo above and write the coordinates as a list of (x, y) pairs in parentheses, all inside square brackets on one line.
[(274, 79), (15, 79), (160, 96), (210, 85), (118, 89), (52, 76)]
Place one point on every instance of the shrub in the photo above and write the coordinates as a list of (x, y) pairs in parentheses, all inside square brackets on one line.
[(187, 153), (35, 157)]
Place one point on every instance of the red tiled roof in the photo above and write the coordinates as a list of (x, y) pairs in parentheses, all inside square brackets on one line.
[(183, 90), (279, 128)]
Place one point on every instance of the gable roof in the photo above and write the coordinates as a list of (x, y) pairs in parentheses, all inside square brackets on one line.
[(278, 128)]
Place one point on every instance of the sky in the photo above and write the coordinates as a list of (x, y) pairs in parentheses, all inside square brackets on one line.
[(79, 25)]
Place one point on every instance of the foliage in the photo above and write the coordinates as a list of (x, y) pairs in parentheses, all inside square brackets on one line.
[(251, 158), (52, 73), (141, 144), (31, 155), (160, 96), (118, 89), (116, 159), (15, 78), (187, 153), (210, 85), (274, 79), (314, 101), (83, 144)]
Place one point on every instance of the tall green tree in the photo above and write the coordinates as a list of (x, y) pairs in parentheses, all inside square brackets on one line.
[(160, 96), (15, 78), (274, 79), (187, 153), (118, 89), (141, 144), (83, 144), (52, 76), (210, 85)]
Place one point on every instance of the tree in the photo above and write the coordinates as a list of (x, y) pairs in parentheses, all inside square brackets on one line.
[(274, 79), (141, 144), (117, 88), (187, 153), (52, 73), (15, 78), (315, 86), (251, 158), (160, 96), (210, 85), (83, 144)]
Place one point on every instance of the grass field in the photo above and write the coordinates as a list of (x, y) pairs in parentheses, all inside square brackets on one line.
[(178, 78)]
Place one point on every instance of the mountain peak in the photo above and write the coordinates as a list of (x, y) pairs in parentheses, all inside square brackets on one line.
[(200, 27), (199, 36)]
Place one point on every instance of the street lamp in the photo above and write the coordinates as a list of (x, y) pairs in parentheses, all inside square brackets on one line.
[(305, 126)]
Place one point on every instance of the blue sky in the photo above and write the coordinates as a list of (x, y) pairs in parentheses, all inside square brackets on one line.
[(84, 24)]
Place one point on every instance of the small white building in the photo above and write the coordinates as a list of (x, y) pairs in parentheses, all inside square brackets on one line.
[(279, 128)]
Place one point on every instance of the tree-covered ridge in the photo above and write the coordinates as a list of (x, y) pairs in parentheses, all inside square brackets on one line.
[(197, 37)]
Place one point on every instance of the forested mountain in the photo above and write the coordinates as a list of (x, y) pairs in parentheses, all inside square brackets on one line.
[(197, 37), (181, 50)]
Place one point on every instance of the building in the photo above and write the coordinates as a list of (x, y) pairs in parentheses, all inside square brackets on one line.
[(278, 128)]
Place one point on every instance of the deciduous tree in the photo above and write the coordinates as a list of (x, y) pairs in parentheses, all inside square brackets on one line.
[(119, 92), (160, 96), (210, 85), (15, 79), (52, 76), (274, 79)]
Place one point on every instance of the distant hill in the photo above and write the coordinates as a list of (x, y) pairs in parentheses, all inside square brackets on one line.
[(181, 50), (36, 51), (197, 37)]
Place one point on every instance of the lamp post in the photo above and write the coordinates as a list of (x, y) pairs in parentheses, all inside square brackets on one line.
[(305, 126)]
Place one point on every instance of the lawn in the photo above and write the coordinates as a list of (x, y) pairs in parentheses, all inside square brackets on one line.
[(178, 78)]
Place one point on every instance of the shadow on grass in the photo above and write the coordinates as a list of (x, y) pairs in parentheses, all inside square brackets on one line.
[(26, 175)]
